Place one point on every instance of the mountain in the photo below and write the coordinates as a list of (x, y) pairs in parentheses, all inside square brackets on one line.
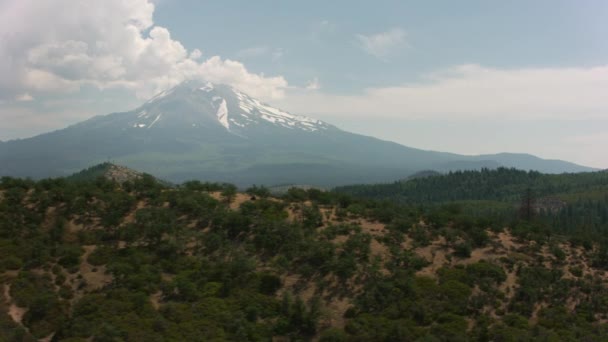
[(215, 132)]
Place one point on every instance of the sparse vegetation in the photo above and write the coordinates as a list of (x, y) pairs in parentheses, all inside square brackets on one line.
[(139, 260)]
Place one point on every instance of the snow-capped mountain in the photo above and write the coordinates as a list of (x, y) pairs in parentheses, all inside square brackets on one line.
[(206, 105), (217, 133)]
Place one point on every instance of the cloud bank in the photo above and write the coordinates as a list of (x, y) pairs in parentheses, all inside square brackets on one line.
[(62, 45), (473, 92)]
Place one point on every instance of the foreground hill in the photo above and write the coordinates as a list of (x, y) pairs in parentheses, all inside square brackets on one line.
[(215, 132), (140, 261)]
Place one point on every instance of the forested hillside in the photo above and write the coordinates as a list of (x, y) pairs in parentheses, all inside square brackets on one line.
[(500, 184), (140, 261)]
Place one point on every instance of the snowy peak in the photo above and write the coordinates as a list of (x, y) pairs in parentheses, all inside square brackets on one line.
[(198, 104), (254, 108)]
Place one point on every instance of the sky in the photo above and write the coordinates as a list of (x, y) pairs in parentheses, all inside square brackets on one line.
[(468, 77)]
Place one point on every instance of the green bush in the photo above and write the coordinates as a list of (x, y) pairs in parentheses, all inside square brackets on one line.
[(463, 250), (11, 263)]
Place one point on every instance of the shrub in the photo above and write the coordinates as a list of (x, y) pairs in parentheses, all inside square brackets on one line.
[(463, 250), (12, 263)]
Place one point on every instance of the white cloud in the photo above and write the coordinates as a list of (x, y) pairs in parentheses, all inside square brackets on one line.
[(381, 44), (472, 91), (196, 54), (231, 72), (64, 44)]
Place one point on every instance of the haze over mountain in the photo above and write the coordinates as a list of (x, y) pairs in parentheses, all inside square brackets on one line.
[(215, 132)]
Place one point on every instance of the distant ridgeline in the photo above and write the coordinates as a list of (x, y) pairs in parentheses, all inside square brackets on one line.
[(502, 184), (565, 202)]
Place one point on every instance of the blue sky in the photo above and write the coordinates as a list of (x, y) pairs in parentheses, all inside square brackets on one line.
[(318, 37), (461, 76)]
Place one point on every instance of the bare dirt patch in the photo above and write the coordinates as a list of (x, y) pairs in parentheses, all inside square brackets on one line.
[(379, 249), (16, 313), (537, 307), (155, 299), (236, 201), (373, 228), (509, 285), (130, 218), (336, 309), (477, 255), (95, 276), (436, 254), (507, 240)]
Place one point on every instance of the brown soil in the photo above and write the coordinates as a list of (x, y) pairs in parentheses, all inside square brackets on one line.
[(506, 239), (155, 299), (95, 280), (509, 285), (49, 338), (479, 254), (236, 202), (434, 253), (328, 215), (130, 218), (537, 307), (378, 249), (336, 309), (373, 228), (16, 313)]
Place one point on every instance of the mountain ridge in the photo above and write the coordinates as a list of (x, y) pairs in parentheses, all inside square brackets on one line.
[(214, 132)]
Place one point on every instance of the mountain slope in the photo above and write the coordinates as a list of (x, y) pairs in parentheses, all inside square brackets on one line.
[(215, 132)]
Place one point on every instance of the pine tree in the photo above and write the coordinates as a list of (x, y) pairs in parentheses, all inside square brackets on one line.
[(528, 205)]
